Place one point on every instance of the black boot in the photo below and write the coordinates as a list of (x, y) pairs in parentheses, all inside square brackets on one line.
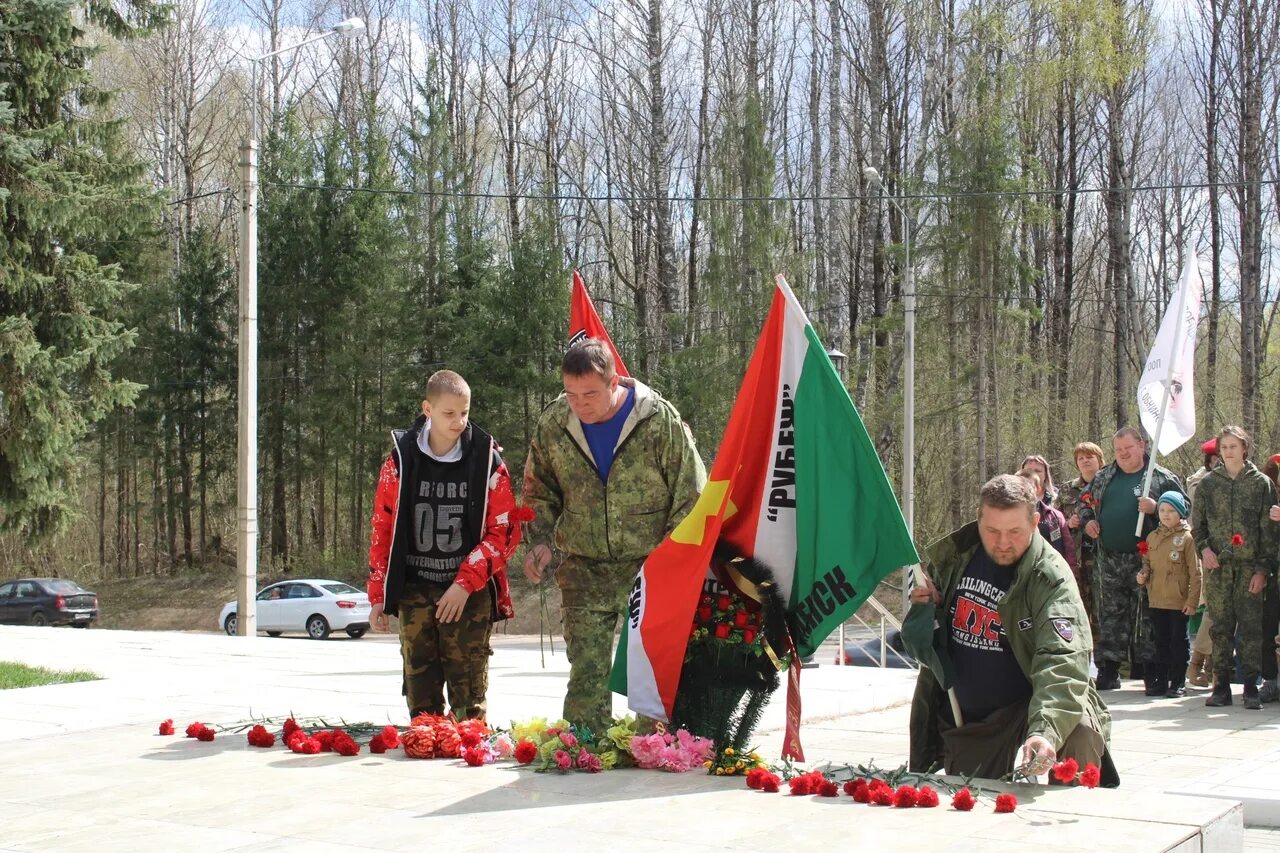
[(1221, 695), (1251, 700), (1109, 675), (1156, 679)]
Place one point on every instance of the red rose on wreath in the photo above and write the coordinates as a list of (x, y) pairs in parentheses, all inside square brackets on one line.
[(1143, 548), (1006, 803), (748, 636), (722, 632), (723, 602), (704, 614), (1236, 540), (740, 619), (526, 751), (166, 728), (706, 601)]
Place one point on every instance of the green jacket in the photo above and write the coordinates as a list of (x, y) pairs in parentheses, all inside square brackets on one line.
[(654, 481), (1162, 480), (1042, 605), (1224, 507)]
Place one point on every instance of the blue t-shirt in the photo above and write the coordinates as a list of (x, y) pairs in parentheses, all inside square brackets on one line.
[(987, 674), (602, 438)]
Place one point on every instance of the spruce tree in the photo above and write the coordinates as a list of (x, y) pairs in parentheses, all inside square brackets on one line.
[(72, 208)]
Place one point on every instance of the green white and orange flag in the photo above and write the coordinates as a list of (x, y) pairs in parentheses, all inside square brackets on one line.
[(798, 486)]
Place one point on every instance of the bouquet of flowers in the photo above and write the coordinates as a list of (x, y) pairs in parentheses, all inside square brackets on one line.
[(677, 753), (557, 746)]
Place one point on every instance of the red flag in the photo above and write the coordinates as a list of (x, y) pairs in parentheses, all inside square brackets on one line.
[(584, 322)]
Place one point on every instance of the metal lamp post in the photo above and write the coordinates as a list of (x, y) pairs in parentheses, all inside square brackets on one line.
[(247, 381), (909, 372)]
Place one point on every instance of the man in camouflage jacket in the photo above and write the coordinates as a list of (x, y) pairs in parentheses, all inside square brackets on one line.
[(603, 499), (1109, 510), (1231, 524)]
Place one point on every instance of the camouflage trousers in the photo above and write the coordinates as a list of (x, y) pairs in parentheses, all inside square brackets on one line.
[(1120, 606), (1087, 561), (1235, 613), (593, 604), (438, 654)]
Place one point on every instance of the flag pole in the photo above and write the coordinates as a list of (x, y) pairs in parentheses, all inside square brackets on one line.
[(1168, 388)]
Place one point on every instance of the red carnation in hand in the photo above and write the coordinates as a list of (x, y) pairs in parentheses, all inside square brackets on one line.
[(723, 602), (1066, 771), (390, 737), (905, 797), (1236, 540), (166, 728), (828, 789), (526, 751), (1087, 499), (377, 745), (926, 798), (1091, 776), (205, 734), (1143, 548), (722, 632), (1006, 803), (963, 800)]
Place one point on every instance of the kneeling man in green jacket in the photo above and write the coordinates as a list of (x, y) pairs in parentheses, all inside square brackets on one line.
[(1009, 617)]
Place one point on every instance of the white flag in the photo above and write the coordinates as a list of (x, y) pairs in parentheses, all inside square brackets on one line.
[(1172, 361)]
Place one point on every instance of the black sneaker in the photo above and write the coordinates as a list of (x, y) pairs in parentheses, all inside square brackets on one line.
[(1175, 692)]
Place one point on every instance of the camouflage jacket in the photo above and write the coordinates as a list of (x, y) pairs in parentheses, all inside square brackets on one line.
[(1068, 502), (1225, 507), (654, 481), (1162, 480), (1048, 633)]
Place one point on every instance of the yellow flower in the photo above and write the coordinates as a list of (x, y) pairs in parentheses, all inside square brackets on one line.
[(706, 763), (728, 750)]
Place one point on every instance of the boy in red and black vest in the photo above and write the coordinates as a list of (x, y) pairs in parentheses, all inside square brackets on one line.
[(444, 525)]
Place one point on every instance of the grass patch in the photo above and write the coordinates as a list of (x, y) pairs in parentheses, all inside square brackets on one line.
[(20, 675)]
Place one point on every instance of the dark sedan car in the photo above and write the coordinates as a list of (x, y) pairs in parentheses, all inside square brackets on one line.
[(47, 601)]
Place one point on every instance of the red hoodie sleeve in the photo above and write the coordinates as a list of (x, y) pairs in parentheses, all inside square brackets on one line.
[(501, 534), (383, 524)]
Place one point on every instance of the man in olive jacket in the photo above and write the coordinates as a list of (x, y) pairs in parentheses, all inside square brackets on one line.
[(611, 470), (1017, 636)]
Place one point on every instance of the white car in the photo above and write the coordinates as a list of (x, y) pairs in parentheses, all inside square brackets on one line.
[(314, 607)]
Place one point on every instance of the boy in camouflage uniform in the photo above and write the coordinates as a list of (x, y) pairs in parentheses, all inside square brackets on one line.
[(1109, 509), (444, 525), (1230, 523), (611, 471)]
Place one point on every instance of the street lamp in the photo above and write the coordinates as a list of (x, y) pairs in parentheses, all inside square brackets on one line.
[(909, 372), (247, 382)]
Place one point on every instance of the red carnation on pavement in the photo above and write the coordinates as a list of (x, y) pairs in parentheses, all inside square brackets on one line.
[(756, 777), (166, 728), (771, 784), (526, 751), (828, 789), (205, 734), (1236, 540), (1066, 771), (926, 798), (882, 796), (377, 745), (194, 729), (473, 756), (325, 739), (343, 744), (290, 726), (470, 738), (800, 786), (260, 737), (853, 785), (904, 797), (303, 745), (963, 800), (1143, 548), (1006, 803), (861, 794), (1091, 776), (390, 737)]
